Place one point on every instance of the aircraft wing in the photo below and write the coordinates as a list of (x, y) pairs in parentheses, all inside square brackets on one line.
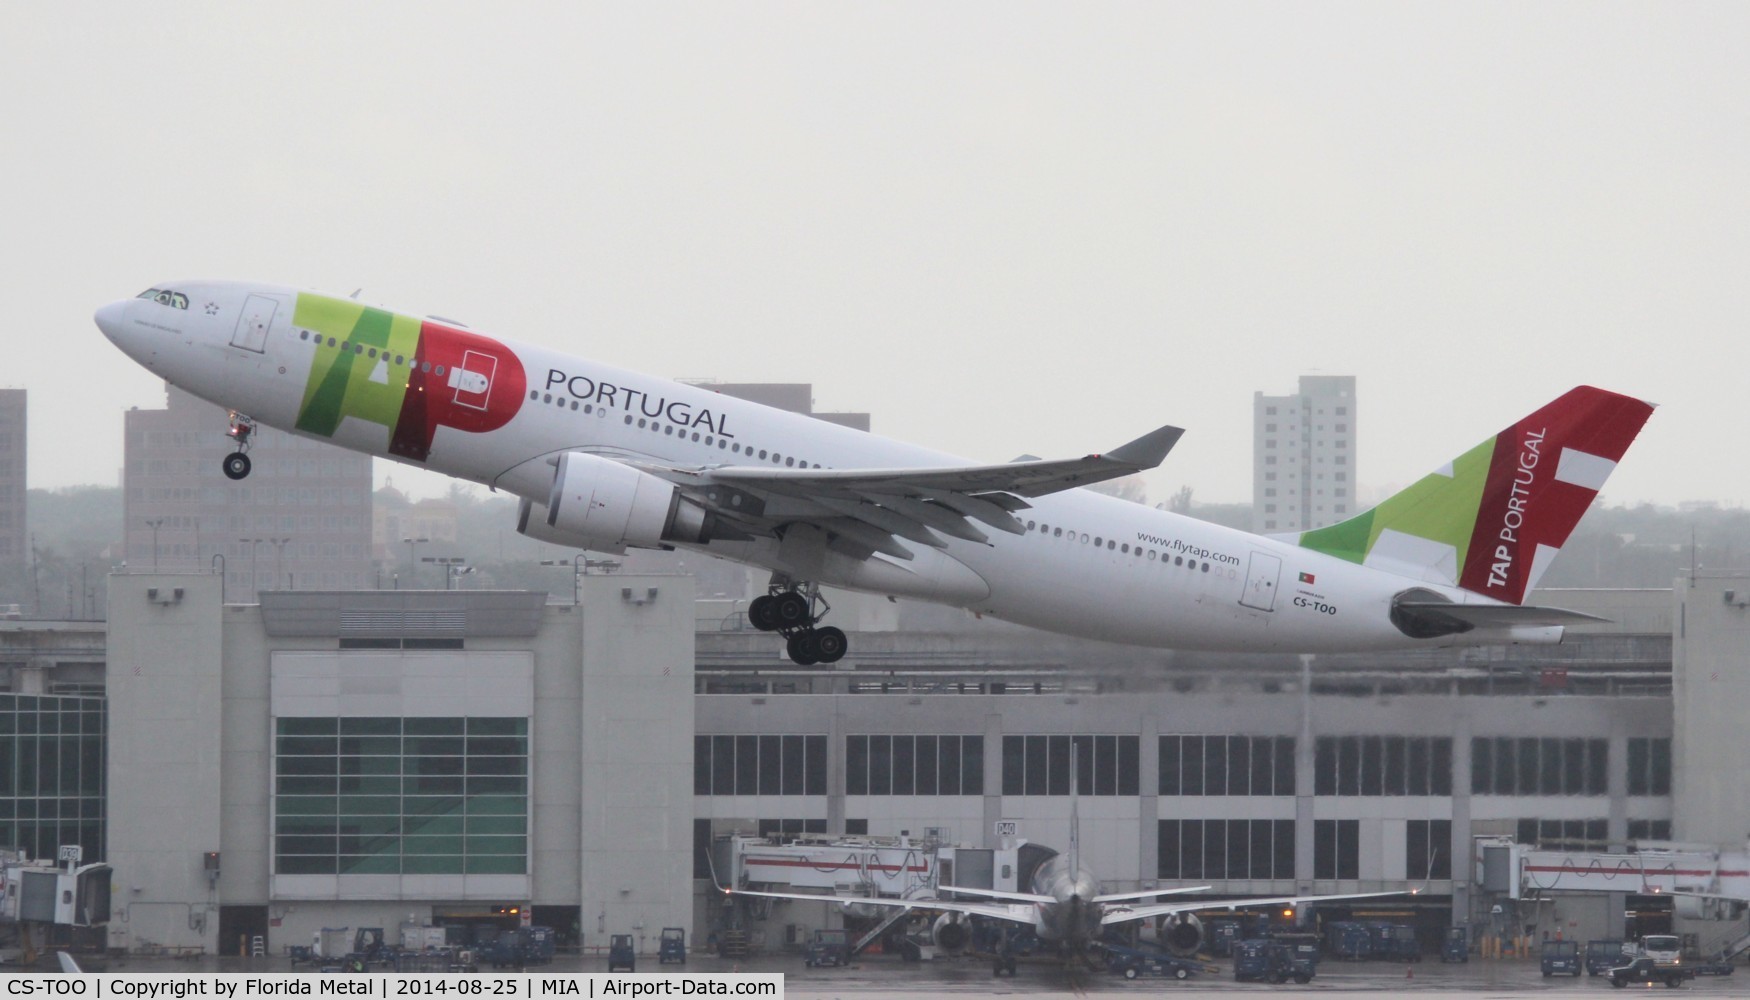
[(866, 510), (68, 964), (1016, 913), (1114, 897), (1125, 914)]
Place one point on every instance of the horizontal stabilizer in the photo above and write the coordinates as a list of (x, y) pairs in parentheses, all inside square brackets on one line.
[(1495, 616)]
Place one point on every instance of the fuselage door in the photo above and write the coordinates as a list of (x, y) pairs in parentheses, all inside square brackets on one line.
[(252, 326), (1261, 579), (472, 379)]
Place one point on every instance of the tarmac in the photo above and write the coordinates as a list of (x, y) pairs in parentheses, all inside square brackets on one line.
[(879, 975)]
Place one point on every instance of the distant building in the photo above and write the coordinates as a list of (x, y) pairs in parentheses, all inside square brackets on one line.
[(395, 519), (797, 397), (302, 519), (14, 538), (1303, 455)]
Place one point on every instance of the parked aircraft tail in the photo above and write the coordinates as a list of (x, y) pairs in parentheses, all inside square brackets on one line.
[(1492, 519)]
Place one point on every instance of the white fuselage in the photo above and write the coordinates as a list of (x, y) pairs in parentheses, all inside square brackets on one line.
[(1088, 565)]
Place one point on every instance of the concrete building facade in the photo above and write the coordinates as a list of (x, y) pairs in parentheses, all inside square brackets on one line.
[(302, 520), (357, 758), (14, 495), (1303, 455)]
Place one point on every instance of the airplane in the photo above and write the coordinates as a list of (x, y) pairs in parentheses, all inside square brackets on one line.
[(1064, 907), (606, 459)]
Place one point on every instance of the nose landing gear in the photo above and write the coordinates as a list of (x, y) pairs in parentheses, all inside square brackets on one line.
[(788, 609), (237, 463)]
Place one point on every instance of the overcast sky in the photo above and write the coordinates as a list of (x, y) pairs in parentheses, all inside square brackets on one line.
[(998, 227)]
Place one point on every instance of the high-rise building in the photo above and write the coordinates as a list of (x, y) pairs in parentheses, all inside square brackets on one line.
[(302, 520), (1303, 455), (14, 537)]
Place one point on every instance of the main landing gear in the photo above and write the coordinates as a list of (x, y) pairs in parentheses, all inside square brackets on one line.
[(237, 463), (789, 611)]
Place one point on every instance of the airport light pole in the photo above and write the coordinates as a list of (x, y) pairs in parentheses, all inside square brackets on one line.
[(577, 564), (254, 578), (412, 563), (452, 565), (279, 552), (154, 524)]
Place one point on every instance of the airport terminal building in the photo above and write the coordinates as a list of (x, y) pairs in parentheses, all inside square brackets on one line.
[(373, 758)]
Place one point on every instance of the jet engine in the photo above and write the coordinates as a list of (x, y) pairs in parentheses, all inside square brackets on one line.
[(600, 504), (951, 933), (1181, 933)]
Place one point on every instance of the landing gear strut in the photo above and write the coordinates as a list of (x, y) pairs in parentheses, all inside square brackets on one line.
[(789, 611), (236, 464)]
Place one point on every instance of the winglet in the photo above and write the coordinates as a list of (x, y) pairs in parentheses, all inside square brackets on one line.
[(1147, 451)]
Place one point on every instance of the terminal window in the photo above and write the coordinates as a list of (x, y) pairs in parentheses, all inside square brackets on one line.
[(52, 784), (1225, 849), (1226, 765), (759, 765), (1040, 765), (1529, 765), (1382, 765), (401, 796), (914, 765)]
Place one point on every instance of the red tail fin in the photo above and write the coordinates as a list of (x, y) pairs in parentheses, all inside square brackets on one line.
[(1545, 471)]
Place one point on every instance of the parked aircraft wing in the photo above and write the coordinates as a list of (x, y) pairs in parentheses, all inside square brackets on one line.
[(1125, 914), (1114, 897), (1018, 913), (68, 965)]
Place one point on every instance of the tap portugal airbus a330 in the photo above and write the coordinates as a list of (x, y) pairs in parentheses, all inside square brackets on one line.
[(607, 459)]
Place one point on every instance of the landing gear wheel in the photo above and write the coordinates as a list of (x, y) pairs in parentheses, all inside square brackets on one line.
[(791, 609), (804, 648), (1183, 973), (762, 613), (830, 644), (236, 465), (1130, 972)]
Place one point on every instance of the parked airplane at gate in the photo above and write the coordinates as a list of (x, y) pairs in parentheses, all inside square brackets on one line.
[(1064, 907), (607, 459)]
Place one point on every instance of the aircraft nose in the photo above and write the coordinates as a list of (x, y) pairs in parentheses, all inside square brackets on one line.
[(110, 318)]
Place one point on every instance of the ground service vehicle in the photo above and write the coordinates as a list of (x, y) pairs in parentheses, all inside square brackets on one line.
[(1132, 963), (1647, 970), (673, 947), (827, 948), (1603, 955), (1274, 961), (1661, 947), (622, 954), (1456, 947), (1561, 957)]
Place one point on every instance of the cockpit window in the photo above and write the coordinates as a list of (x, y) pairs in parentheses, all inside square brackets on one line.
[(165, 297)]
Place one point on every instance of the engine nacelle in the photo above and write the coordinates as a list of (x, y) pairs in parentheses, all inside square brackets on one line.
[(951, 933), (600, 504), (1180, 933)]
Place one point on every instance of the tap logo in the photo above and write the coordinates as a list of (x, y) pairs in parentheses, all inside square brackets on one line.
[(408, 375)]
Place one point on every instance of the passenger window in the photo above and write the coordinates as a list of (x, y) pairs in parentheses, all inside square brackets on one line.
[(373, 352), (640, 421), (762, 453), (1057, 532), (400, 360), (1126, 549), (303, 335), (425, 366), (1112, 543), (534, 394), (440, 369), (1097, 541), (789, 461), (330, 341)]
